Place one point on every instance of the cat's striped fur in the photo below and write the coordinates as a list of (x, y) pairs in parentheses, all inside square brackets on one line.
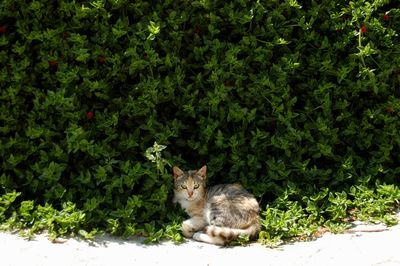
[(218, 214)]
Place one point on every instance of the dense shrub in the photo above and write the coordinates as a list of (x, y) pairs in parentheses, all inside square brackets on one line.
[(267, 93)]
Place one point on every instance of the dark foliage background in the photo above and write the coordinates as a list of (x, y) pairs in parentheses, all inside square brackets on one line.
[(266, 93)]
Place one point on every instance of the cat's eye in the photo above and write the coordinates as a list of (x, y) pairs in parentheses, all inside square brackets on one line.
[(183, 186), (196, 186)]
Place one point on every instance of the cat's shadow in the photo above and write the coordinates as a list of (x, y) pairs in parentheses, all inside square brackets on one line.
[(105, 240)]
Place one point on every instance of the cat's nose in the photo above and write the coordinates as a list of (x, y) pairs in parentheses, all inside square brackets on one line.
[(190, 194)]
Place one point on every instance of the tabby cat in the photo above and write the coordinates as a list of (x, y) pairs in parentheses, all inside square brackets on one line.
[(218, 214)]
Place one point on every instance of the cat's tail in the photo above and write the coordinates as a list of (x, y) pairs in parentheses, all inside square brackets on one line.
[(227, 234)]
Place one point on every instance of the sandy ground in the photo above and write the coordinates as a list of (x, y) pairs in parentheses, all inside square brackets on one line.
[(365, 245)]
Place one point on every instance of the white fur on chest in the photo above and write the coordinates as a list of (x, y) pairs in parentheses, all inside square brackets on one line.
[(185, 204)]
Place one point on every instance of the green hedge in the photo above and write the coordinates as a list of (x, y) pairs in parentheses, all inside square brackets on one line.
[(266, 93)]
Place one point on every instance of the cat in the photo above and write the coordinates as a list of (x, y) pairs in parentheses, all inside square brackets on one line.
[(218, 214)]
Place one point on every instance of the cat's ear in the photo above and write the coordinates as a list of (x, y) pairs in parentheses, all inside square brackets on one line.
[(177, 172), (202, 172)]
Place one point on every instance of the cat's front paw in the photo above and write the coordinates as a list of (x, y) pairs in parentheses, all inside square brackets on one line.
[(198, 236), (187, 229)]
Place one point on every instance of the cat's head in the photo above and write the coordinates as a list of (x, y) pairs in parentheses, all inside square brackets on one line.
[(189, 185)]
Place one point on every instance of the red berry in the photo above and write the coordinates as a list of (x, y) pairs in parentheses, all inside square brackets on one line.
[(363, 29), (344, 17), (198, 30), (386, 17), (53, 63), (3, 29), (89, 115), (389, 109), (101, 59)]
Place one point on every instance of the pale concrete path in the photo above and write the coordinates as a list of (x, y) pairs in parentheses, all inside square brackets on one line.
[(357, 248)]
